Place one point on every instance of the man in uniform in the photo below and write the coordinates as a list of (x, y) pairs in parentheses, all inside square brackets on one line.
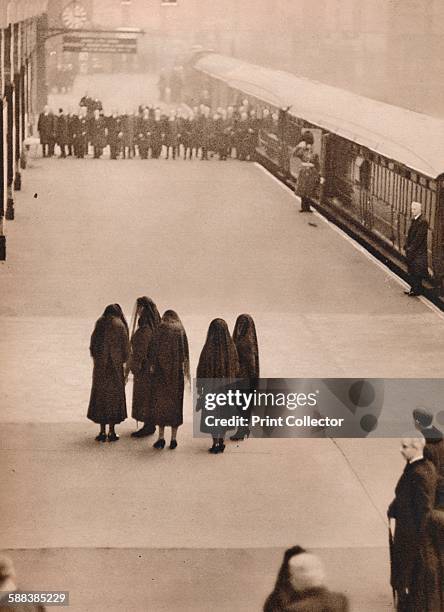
[(412, 508), (98, 134), (416, 250), (83, 136), (114, 130), (61, 132), (157, 133), (144, 133)]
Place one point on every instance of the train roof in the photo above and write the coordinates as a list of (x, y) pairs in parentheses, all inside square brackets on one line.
[(414, 139)]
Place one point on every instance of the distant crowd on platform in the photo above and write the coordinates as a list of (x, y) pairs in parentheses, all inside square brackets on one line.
[(149, 132)]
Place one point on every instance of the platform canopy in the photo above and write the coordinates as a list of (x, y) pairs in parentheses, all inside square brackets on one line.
[(411, 138), (14, 11)]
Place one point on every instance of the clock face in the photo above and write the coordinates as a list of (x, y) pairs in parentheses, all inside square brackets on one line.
[(74, 15)]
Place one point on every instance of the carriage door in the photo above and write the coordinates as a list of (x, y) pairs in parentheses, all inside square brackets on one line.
[(362, 193)]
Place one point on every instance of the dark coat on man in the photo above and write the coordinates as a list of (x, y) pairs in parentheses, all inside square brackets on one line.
[(434, 452), (98, 132), (412, 508), (140, 342), (46, 128), (416, 247), (110, 350), (311, 600), (61, 130), (435, 567)]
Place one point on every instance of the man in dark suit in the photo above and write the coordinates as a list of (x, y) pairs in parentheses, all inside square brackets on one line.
[(45, 127), (433, 450), (416, 250), (61, 131), (412, 509)]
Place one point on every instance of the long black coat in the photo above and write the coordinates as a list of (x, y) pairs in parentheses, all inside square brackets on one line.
[(167, 358), (434, 452), (416, 247), (140, 342), (312, 600), (110, 350), (46, 128), (62, 135), (412, 508)]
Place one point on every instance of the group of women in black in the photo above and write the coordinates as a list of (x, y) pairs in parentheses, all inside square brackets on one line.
[(156, 351)]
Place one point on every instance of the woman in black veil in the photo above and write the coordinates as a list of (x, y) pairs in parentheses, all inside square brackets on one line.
[(147, 319), (169, 366), (218, 359), (245, 340), (109, 348)]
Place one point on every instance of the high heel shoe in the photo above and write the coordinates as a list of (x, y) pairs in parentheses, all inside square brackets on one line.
[(159, 444), (173, 444)]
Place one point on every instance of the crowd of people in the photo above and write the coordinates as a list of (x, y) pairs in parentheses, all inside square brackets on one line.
[(149, 132), (156, 351)]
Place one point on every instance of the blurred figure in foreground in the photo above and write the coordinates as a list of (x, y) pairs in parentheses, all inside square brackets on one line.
[(300, 586), (8, 587), (109, 349)]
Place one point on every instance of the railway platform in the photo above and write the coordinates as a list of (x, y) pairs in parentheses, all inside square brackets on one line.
[(207, 239)]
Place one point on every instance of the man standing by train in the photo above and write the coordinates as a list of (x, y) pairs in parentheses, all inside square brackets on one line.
[(416, 250)]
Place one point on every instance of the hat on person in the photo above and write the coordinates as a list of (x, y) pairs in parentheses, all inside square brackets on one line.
[(305, 571), (423, 417)]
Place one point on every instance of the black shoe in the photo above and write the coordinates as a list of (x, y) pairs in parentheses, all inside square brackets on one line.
[(214, 449), (173, 444), (142, 433), (101, 437), (159, 444), (412, 293), (113, 437), (221, 447)]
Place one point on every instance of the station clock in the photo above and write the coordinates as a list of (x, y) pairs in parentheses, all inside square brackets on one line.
[(74, 15)]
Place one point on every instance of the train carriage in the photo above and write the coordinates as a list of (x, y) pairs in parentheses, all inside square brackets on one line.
[(375, 158)]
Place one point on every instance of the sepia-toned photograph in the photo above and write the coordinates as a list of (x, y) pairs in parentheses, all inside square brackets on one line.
[(222, 305)]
